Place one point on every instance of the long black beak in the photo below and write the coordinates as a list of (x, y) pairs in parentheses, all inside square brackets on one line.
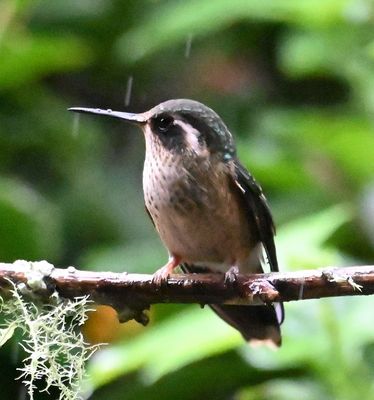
[(130, 117)]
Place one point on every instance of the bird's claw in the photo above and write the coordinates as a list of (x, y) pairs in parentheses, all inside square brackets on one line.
[(160, 277)]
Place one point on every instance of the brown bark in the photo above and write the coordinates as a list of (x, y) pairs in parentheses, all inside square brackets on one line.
[(130, 294)]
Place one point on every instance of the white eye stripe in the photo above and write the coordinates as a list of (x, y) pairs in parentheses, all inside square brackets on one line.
[(191, 135), (186, 126)]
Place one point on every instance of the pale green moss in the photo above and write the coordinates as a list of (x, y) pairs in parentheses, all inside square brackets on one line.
[(56, 352)]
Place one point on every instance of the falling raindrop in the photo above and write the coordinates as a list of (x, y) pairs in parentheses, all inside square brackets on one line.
[(75, 129), (128, 91), (188, 45)]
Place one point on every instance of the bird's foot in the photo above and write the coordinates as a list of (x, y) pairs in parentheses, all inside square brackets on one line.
[(231, 276), (160, 277)]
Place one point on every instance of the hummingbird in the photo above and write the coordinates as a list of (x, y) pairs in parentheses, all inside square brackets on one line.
[(208, 210)]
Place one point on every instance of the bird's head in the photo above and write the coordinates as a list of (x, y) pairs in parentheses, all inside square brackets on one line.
[(179, 126)]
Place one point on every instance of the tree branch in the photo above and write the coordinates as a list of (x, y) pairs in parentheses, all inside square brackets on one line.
[(130, 294)]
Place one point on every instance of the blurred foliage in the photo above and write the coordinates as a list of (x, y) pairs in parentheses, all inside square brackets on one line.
[(294, 80)]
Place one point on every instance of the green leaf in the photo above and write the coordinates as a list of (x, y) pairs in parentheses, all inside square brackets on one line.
[(301, 243), (341, 139), (42, 55), (172, 23), (139, 257), (29, 227), (200, 333)]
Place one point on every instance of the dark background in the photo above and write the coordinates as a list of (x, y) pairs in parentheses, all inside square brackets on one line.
[(293, 80)]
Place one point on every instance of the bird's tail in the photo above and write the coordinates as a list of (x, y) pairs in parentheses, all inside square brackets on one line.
[(257, 324)]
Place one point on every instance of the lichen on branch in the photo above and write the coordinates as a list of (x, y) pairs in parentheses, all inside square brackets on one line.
[(54, 349)]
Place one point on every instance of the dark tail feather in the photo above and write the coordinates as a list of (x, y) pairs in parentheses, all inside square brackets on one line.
[(256, 323)]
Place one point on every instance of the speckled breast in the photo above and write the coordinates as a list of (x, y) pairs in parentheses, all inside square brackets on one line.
[(197, 213)]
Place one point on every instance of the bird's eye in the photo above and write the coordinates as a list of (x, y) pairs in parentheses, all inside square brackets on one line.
[(163, 123)]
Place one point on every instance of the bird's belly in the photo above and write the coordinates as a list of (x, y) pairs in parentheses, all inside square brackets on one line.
[(199, 216), (216, 236)]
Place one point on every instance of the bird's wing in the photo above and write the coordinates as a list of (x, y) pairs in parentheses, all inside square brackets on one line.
[(260, 217), (258, 211)]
